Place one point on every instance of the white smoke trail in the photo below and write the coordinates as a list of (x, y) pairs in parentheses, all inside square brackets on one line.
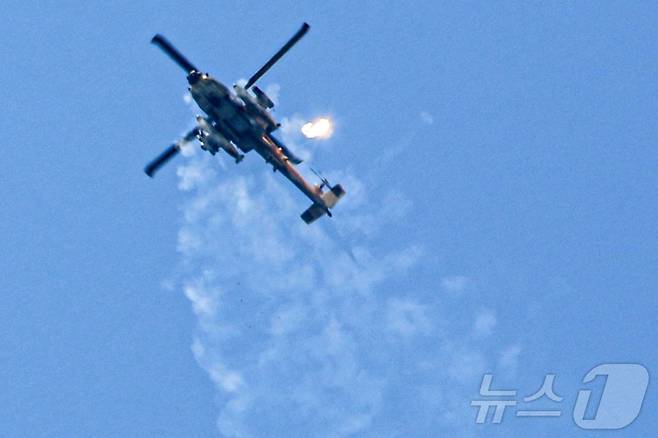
[(302, 338)]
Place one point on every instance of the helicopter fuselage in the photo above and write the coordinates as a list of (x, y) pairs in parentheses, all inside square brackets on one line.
[(239, 118)]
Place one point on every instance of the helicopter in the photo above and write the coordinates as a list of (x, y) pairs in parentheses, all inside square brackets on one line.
[(239, 120)]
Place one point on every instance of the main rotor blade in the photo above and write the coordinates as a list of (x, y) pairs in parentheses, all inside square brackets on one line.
[(169, 153), (189, 136), (296, 37), (161, 160), (174, 54)]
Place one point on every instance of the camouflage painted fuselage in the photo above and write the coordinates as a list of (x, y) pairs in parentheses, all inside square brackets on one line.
[(239, 117)]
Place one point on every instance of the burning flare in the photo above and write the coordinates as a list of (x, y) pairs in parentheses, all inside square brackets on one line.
[(318, 128)]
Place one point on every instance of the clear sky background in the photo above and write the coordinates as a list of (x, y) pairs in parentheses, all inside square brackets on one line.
[(500, 162)]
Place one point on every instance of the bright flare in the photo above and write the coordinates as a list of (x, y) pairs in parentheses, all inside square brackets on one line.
[(319, 128)]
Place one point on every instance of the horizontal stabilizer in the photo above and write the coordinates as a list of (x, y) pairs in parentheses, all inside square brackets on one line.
[(313, 213), (330, 199), (332, 196)]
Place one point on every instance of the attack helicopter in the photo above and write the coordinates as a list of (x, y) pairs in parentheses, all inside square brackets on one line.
[(239, 120)]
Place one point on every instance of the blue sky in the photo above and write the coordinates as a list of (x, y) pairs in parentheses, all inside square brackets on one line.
[(500, 162)]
